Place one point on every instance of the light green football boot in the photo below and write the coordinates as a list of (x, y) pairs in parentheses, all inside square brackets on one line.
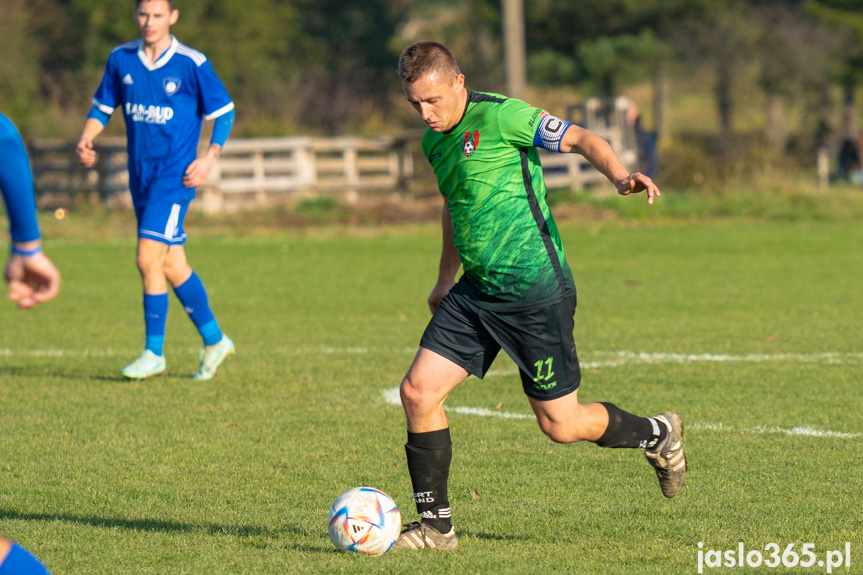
[(147, 365), (212, 357)]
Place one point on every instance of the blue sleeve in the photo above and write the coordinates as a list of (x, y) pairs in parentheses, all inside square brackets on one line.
[(16, 183), (213, 97), (222, 128), (97, 114), (108, 93)]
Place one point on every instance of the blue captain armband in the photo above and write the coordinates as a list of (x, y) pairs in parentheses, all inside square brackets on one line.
[(549, 133), (222, 128)]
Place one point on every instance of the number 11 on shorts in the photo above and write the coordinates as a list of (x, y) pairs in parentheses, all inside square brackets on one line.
[(539, 365)]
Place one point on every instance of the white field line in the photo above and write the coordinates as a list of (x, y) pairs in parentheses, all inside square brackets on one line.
[(391, 396), (623, 358), (615, 359), (596, 359)]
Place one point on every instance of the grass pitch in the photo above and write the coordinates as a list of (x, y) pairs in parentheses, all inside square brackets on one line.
[(750, 330)]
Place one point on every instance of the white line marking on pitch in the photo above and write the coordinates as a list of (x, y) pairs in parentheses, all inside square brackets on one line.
[(598, 358), (392, 397)]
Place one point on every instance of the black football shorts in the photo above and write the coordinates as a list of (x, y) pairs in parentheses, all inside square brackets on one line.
[(539, 340)]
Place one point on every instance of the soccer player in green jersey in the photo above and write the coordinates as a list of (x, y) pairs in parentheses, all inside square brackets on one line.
[(516, 293)]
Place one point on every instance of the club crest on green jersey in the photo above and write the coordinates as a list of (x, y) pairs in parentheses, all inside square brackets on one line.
[(471, 141)]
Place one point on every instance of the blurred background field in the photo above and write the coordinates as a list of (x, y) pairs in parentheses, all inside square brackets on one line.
[(729, 91), (734, 300), (747, 326)]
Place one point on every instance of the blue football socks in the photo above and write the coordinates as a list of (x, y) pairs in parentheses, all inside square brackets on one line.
[(193, 296), (155, 316)]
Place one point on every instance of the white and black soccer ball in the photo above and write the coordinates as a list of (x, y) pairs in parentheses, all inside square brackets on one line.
[(364, 520)]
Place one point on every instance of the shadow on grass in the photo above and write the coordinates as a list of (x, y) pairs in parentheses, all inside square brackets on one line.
[(15, 370), (78, 375), (493, 536), (158, 526), (46, 371)]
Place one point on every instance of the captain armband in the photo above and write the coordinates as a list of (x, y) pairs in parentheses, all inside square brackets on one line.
[(549, 133)]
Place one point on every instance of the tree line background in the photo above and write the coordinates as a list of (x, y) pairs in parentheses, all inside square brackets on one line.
[(758, 82)]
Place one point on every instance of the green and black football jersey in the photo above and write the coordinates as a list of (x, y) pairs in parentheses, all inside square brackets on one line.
[(489, 171)]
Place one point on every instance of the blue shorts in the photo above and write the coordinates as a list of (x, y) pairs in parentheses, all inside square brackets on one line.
[(162, 222), (21, 562)]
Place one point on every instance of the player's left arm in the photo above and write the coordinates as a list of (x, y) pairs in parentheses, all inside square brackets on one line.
[(549, 132), (199, 170), (215, 104), (600, 154)]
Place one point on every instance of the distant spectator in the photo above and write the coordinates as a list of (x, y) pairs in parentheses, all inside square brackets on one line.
[(850, 166), (645, 142)]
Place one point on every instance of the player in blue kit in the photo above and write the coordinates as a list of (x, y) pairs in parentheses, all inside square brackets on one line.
[(164, 90), (30, 275)]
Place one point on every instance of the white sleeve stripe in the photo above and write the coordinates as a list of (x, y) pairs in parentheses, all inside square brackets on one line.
[(127, 46), (103, 107), (220, 112), (196, 56)]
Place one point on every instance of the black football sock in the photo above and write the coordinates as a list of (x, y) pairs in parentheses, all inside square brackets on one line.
[(628, 430), (429, 456)]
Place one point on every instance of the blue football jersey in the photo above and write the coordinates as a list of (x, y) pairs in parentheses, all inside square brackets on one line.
[(164, 104)]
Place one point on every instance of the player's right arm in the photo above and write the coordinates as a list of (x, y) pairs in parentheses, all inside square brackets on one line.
[(107, 97), (449, 262), (84, 150)]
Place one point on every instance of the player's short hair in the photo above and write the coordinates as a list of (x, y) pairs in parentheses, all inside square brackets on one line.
[(422, 58), (170, 4)]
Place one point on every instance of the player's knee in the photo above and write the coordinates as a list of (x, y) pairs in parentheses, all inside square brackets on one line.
[(409, 393), (150, 264), (415, 396)]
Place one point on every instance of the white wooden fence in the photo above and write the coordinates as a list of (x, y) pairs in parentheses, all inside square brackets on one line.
[(255, 173), (348, 167)]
